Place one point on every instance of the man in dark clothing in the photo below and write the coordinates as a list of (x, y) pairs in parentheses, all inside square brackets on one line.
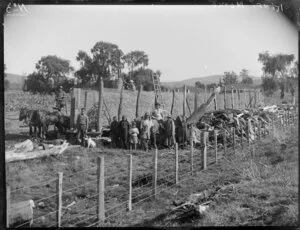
[(124, 130), (114, 131), (82, 126)]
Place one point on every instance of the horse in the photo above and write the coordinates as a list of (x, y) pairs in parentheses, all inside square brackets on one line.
[(32, 118), (42, 119)]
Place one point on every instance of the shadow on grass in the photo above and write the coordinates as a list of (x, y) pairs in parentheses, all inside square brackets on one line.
[(16, 136)]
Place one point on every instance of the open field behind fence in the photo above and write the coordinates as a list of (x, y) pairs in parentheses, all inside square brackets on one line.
[(77, 187)]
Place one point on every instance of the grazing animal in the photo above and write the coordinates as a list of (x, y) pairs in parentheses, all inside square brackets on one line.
[(32, 117)]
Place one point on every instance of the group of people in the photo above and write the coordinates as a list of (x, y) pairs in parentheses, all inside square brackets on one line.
[(142, 132)]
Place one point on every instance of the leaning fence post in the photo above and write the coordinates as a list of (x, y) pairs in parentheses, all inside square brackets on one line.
[(85, 99), (216, 145), (192, 155), (176, 163), (233, 138), (204, 153), (7, 205), (59, 197), (100, 189), (224, 141), (129, 158), (154, 173)]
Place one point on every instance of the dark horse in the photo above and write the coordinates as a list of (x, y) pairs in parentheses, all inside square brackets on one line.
[(42, 119)]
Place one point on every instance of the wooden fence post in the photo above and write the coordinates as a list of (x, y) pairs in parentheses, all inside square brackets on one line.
[(173, 99), (224, 97), (224, 141), (242, 145), (59, 198), (129, 158), (72, 109), (259, 130), (232, 98), (85, 99), (184, 101), (245, 98), (233, 139), (215, 102), (100, 189), (8, 200), (121, 101), (154, 173), (196, 98), (138, 101), (216, 145), (204, 152), (176, 163), (191, 154), (78, 98), (189, 108), (249, 125), (250, 99), (239, 98), (100, 102), (205, 93)]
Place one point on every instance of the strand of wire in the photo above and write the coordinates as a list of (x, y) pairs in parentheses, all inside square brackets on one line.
[(36, 218), (37, 184), (64, 191)]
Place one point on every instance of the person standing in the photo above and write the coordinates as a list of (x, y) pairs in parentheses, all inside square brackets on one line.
[(170, 131), (114, 127), (124, 130), (146, 126), (133, 132), (82, 126)]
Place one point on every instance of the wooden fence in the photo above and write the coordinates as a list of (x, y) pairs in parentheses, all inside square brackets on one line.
[(182, 166)]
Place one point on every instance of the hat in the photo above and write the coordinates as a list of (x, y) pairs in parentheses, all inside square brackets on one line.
[(147, 114)]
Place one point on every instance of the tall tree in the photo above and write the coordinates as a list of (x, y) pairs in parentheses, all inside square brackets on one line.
[(105, 61), (230, 78), (135, 59), (277, 67), (244, 74)]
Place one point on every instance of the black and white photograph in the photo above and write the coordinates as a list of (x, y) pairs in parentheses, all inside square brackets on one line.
[(150, 115)]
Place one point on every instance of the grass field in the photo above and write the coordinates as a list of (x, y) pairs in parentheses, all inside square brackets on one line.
[(264, 187)]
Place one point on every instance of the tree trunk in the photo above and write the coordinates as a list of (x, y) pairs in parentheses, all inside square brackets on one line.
[(100, 102)]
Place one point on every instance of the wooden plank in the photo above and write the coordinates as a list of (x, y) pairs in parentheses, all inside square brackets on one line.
[(59, 198), (129, 158), (100, 189)]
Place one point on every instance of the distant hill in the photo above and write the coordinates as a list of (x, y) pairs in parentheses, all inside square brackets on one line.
[(16, 81), (204, 80)]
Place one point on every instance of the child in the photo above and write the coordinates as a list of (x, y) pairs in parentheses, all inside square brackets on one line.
[(133, 132)]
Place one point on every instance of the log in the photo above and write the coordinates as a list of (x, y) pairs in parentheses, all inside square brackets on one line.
[(11, 156)]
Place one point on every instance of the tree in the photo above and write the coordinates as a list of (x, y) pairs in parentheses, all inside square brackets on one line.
[(6, 82), (230, 78), (244, 74), (200, 85), (269, 85), (276, 66), (51, 72), (135, 60), (105, 61), (211, 86)]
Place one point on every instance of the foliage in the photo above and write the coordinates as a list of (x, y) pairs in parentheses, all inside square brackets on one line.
[(211, 86), (276, 66), (269, 85), (230, 78), (244, 74), (105, 61), (135, 60), (200, 85)]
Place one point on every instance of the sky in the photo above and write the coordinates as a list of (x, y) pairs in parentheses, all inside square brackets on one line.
[(181, 41)]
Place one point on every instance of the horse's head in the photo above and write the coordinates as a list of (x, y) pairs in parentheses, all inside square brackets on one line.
[(23, 114)]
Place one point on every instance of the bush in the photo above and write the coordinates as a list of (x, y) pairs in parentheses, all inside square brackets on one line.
[(269, 85)]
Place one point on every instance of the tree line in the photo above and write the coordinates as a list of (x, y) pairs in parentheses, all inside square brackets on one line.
[(108, 61)]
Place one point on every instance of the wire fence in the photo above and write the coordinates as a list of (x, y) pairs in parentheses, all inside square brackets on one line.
[(112, 195)]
